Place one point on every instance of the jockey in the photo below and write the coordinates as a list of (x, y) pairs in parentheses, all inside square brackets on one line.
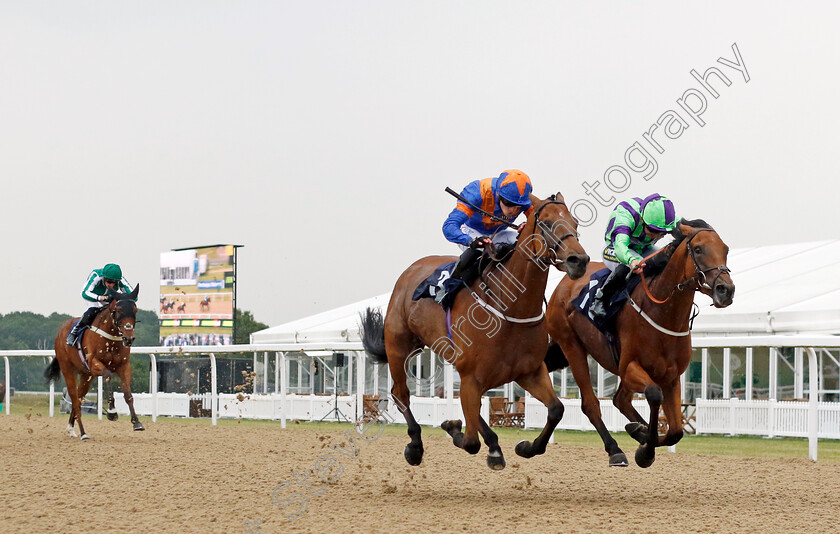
[(505, 196), (634, 227), (100, 283)]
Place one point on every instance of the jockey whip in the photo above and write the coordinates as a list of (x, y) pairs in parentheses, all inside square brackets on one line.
[(481, 211)]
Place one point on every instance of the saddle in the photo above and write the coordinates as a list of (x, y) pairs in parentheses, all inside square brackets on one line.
[(440, 279), (606, 325)]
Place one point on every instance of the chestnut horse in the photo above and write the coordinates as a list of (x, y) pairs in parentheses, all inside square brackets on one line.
[(107, 350), (653, 333), (498, 334)]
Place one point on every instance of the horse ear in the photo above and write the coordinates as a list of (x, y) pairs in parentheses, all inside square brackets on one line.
[(133, 294), (559, 196)]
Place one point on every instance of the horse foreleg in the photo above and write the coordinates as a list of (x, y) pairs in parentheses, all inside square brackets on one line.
[(672, 406), (539, 385), (124, 373), (590, 405), (637, 379), (637, 427), (471, 406)]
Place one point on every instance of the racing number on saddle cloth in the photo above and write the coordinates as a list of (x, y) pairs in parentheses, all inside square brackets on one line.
[(429, 287)]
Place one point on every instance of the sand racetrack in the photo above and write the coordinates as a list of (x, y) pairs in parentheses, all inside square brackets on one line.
[(187, 476)]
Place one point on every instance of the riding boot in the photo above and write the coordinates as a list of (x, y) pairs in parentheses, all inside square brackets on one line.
[(86, 320), (467, 259), (616, 280)]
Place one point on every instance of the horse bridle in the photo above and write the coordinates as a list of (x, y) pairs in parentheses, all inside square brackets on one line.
[(700, 277), (551, 255), (121, 329)]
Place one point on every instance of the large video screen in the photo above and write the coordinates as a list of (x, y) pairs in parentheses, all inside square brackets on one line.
[(197, 296)]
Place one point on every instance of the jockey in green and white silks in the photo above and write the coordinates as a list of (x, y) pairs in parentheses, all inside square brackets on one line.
[(99, 284), (634, 227)]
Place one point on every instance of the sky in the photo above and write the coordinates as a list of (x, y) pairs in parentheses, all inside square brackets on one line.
[(321, 135)]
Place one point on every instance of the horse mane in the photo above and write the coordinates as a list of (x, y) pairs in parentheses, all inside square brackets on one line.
[(656, 264)]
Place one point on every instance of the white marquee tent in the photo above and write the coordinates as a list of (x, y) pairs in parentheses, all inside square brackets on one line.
[(793, 288)]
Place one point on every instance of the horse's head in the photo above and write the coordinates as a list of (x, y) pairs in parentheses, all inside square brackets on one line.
[(550, 236), (706, 262), (124, 314)]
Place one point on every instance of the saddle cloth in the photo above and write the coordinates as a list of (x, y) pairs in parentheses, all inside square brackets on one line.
[(438, 280), (78, 344), (584, 300)]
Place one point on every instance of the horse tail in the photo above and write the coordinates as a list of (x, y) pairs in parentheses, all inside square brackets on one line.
[(372, 331), (53, 371), (555, 359)]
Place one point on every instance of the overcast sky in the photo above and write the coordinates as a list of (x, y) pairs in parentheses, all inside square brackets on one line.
[(321, 135)]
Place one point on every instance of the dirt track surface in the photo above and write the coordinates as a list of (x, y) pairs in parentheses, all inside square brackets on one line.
[(186, 477)]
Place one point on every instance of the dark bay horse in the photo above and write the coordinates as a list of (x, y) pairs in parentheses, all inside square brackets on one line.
[(654, 340), (498, 334), (107, 350)]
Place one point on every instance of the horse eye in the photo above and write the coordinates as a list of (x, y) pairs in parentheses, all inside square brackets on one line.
[(698, 250)]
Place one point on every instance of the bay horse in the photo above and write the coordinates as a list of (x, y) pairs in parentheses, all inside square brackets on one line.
[(106, 347), (653, 333), (205, 304), (489, 344)]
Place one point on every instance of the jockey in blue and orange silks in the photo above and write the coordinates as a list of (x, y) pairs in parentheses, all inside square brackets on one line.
[(506, 197)]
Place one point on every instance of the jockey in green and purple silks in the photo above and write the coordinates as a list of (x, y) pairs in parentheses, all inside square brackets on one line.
[(634, 227), (100, 283)]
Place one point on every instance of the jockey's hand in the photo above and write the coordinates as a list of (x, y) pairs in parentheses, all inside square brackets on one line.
[(520, 228), (102, 298), (479, 242), (636, 266)]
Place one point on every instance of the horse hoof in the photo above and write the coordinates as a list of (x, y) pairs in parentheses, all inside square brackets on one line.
[(85, 437), (112, 416), (524, 449), (138, 426), (637, 431), (618, 460), (644, 457), (496, 461), (451, 426), (413, 454)]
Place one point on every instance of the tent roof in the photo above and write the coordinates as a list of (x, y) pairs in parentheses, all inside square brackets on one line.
[(791, 288)]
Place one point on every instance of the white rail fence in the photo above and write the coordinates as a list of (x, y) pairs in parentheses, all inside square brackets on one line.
[(725, 416)]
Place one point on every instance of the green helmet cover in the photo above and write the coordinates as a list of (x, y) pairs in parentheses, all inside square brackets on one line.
[(112, 271), (659, 214)]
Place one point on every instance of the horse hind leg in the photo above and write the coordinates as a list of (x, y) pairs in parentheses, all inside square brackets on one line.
[(82, 391), (401, 396), (495, 457)]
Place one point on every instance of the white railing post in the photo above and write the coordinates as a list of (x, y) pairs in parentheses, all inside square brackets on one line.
[(265, 372), (748, 380), (798, 374), (214, 397), (704, 374), (360, 385), (564, 382), (283, 382), (813, 397), (727, 372), (601, 382), (449, 372), (774, 374), (99, 397), (7, 397), (52, 398), (153, 385)]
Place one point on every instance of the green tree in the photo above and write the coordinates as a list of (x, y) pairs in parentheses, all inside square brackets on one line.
[(245, 326)]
